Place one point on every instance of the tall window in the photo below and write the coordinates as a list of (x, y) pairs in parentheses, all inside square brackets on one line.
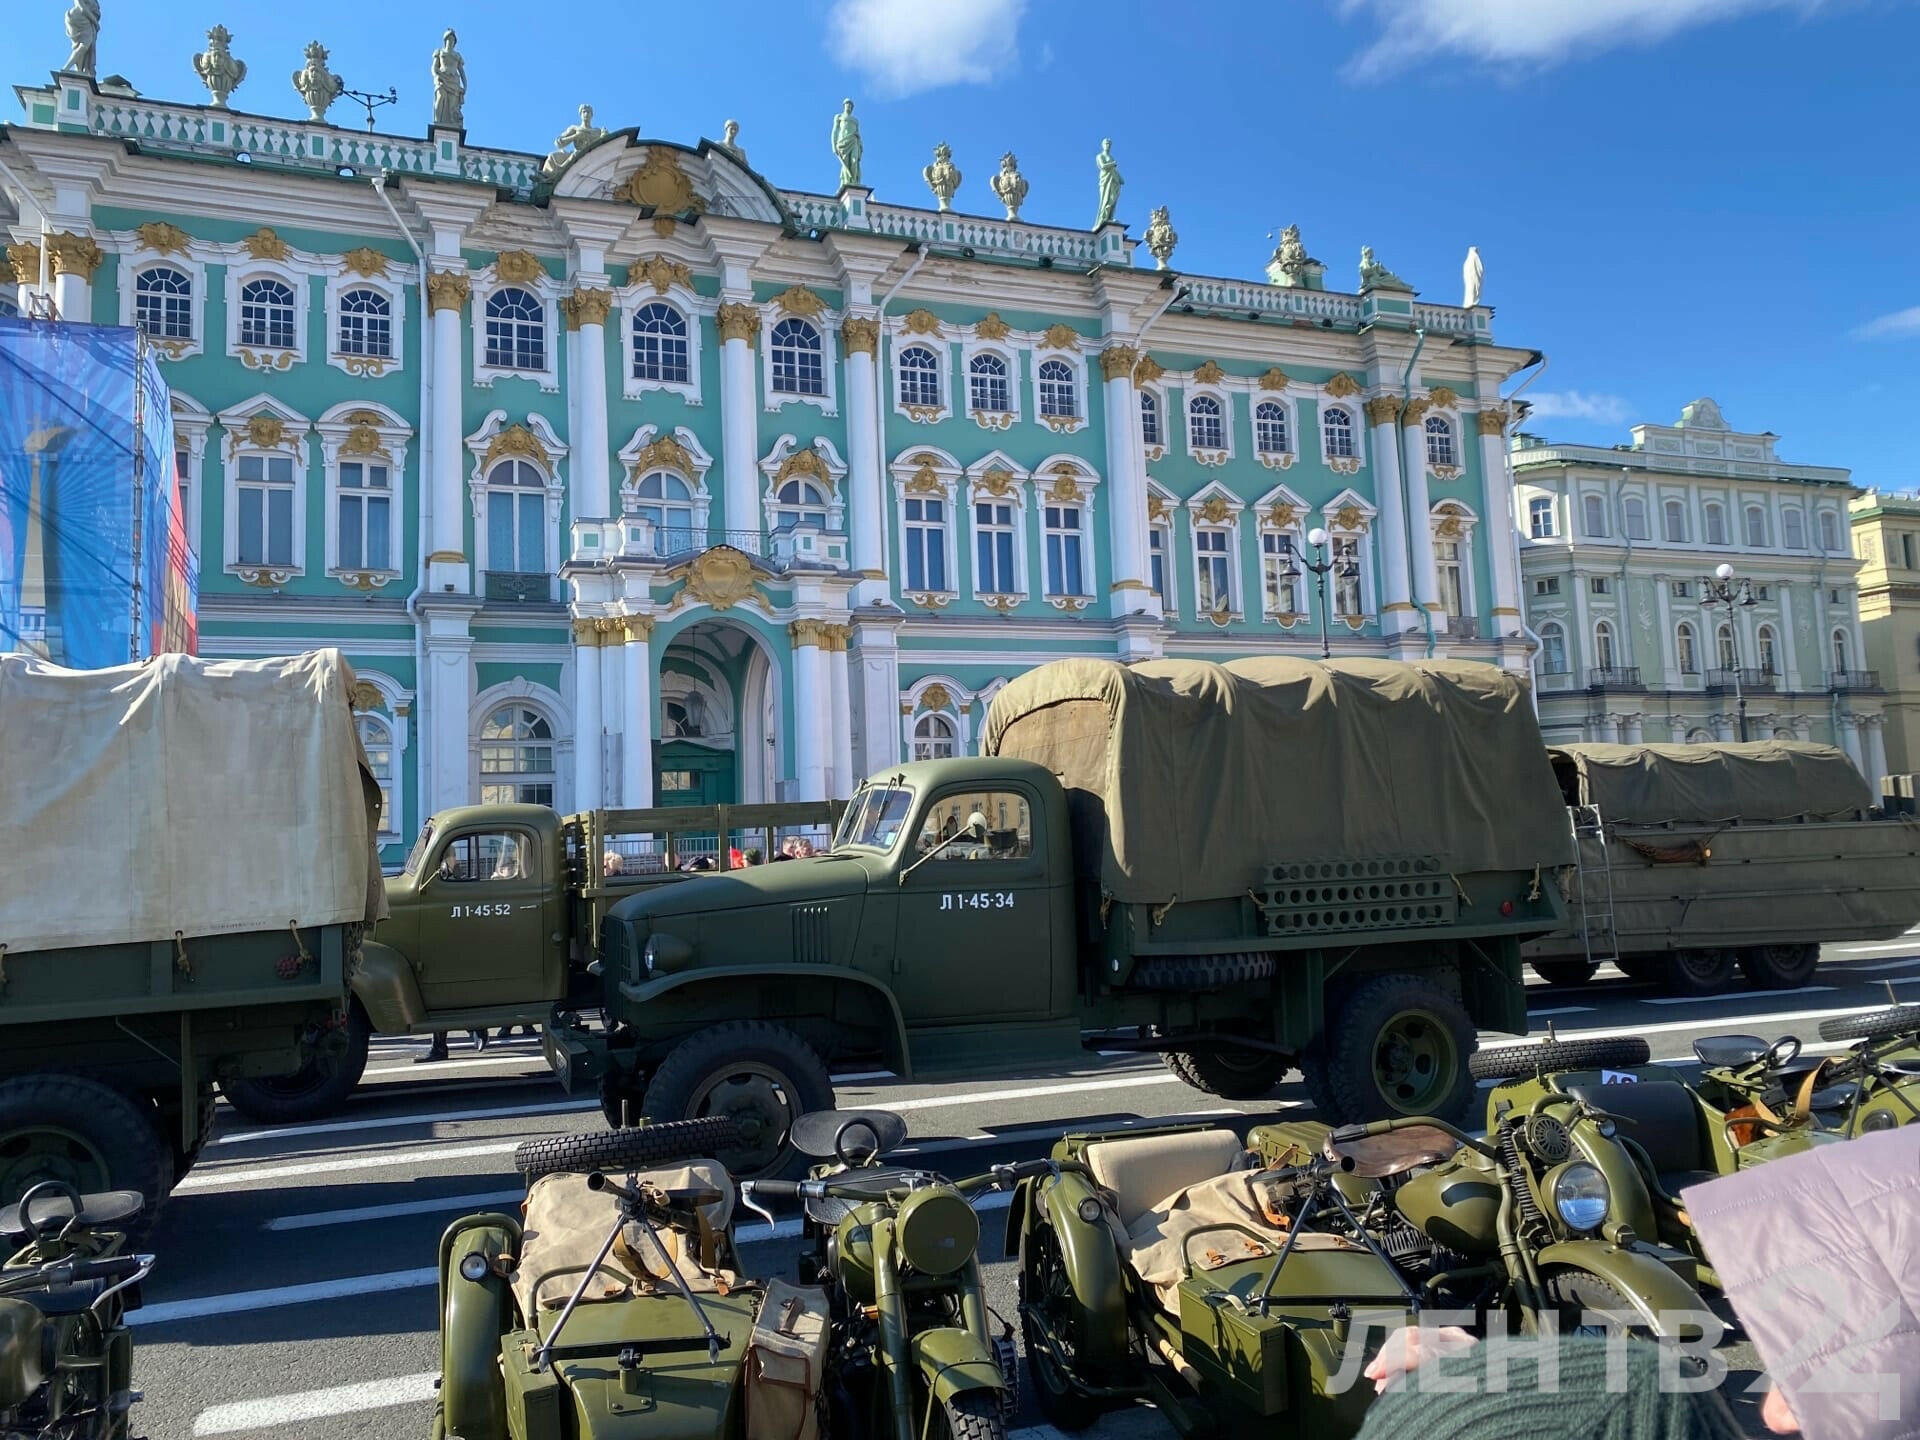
[(799, 362), (516, 519), (926, 543), (163, 303), (1063, 535), (1213, 577), (933, 737), (1716, 523), (1336, 429), (516, 757), (1440, 447), (366, 324), (1842, 653), (1540, 517), (364, 500), (1675, 522), (1767, 666), (660, 345), (1205, 430), (1829, 532), (1553, 649), (1157, 560), (1278, 574), (266, 315), (1725, 646), (1270, 435), (1150, 419), (1683, 649), (377, 740), (1603, 645), (1594, 510), (800, 502), (993, 549), (183, 485), (516, 330), (987, 387), (1449, 568), (667, 501), (1756, 526), (919, 377), (1055, 379), (1634, 511), (1793, 528), (1346, 577), (264, 484)]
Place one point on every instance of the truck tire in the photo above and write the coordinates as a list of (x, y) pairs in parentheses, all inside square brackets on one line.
[(1396, 1045), (1231, 1072), (1565, 971), (1609, 1052), (1200, 972), (1779, 967), (315, 1089), (1885, 1024), (641, 1147), (67, 1127), (761, 1074), (1699, 972)]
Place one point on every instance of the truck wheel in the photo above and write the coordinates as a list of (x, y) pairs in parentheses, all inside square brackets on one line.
[(1608, 1052), (1231, 1072), (1399, 1045), (69, 1128), (1885, 1024), (1779, 967), (641, 1147), (1200, 972), (761, 1074), (1565, 972), (1699, 972), (315, 1089)]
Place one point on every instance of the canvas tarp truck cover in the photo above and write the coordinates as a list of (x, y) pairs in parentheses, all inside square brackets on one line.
[(1762, 780), (1187, 778), (182, 795)]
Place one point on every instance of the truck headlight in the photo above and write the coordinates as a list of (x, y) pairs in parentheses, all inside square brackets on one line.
[(1581, 1196), (665, 952)]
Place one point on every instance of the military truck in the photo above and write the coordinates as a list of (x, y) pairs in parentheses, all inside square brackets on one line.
[(1697, 859), (190, 867), (1243, 867)]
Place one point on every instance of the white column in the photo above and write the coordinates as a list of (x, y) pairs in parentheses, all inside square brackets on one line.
[(1876, 770), (1724, 727), (812, 759), (636, 741), (860, 339), (739, 409), (1631, 732), (1126, 500), (72, 258), (1850, 742), (1496, 484), (447, 545), (1394, 598), (613, 685), (840, 704), (446, 698), (587, 793), (592, 491), (1413, 474), (1789, 653), (874, 678), (1666, 647)]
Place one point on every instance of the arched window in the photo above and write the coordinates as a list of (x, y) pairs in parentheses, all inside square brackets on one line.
[(1756, 526), (799, 502), (1716, 523), (1150, 419), (1336, 429), (933, 738), (1725, 646), (1793, 528), (1829, 532), (1634, 511), (366, 324), (1440, 447), (1842, 653), (1553, 648), (1057, 390), (1699, 736), (516, 757), (377, 740), (516, 519), (163, 303), (1767, 666), (266, 315), (1684, 650), (1603, 645), (799, 364), (919, 377), (1593, 508), (516, 330), (987, 387), (1204, 428), (1675, 522), (1270, 435), (660, 344), (667, 501)]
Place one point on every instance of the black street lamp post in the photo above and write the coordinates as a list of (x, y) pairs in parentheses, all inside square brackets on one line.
[(1723, 589), (1321, 566)]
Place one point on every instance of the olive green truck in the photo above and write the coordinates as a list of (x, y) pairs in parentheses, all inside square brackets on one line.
[(190, 869)]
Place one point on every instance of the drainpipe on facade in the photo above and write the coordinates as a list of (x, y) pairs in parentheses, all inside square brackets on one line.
[(880, 391), (1513, 537), (1406, 518)]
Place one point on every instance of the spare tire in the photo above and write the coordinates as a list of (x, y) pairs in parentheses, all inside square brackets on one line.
[(1201, 972), (639, 1148), (1873, 1025), (1608, 1052)]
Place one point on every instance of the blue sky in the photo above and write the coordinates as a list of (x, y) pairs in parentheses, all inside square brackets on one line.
[(1672, 197)]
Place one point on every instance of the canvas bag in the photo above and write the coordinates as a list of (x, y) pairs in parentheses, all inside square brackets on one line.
[(786, 1361)]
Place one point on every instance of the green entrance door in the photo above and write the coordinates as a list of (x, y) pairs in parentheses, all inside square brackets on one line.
[(689, 774)]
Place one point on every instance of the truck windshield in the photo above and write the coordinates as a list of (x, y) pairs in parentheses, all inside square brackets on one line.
[(875, 818), (419, 852)]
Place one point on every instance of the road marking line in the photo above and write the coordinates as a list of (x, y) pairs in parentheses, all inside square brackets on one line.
[(278, 1410), (1628, 1027), (428, 1069), (388, 1122), (219, 1179), (1562, 1010), (1872, 948), (278, 1295), (1030, 1092), (1704, 999), (1905, 964), (314, 1219)]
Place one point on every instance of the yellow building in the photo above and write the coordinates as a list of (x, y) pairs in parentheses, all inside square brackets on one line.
[(1886, 538)]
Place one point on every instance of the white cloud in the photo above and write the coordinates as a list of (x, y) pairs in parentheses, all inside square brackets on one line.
[(1531, 32), (1898, 325), (1578, 405), (906, 46)]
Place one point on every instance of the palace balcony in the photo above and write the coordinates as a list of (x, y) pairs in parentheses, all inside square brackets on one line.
[(1614, 677), (1849, 681), (1745, 681), (637, 540)]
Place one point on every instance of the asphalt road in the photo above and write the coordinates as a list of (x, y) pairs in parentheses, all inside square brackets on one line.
[(294, 1294)]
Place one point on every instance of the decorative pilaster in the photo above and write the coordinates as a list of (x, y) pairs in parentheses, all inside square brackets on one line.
[(72, 259), (1496, 481), (738, 325), (447, 292), (446, 699), (812, 713), (1126, 507), (861, 337), (1413, 472), (1382, 412), (586, 311), (1876, 771), (840, 706), (23, 259), (636, 746), (873, 675), (587, 728)]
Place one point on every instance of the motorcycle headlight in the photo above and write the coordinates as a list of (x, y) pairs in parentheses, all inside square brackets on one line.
[(1879, 1120), (1581, 1197)]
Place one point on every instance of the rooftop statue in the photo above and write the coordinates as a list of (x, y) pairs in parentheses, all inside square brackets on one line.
[(942, 176), (1010, 185), (572, 141), (217, 68), (449, 84), (846, 145), (83, 29), (1290, 261), (1110, 183), (1161, 237), (1375, 276), (730, 137), (318, 86), (1471, 274)]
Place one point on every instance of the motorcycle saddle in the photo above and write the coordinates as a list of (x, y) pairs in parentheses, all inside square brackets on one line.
[(103, 1210), (1376, 1157)]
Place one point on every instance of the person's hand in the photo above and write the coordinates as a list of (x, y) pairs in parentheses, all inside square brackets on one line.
[(1777, 1415), (1402, 1353)]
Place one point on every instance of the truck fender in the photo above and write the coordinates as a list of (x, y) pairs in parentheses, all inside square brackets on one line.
[(952, 1361), (1667, 1305), (387, 989), (896, 1053), (474, 1314), (1093, 1266)]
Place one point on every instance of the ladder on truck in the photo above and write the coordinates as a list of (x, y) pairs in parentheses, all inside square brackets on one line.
[(1595, 892)]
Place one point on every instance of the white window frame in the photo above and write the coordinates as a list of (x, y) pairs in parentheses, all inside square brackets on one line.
[(694, 308), (1007, 355), (1605, 655), (826, 323), (1076, 361), (633, 471), (1341, 464), (901, 340), (394, 286), (835, 485), (1051, 480), (1709, 508), (1208, 454), (1275, 459), (393, 790), (191, 422), (1823, 518), (1589, 499), (1763, 634), (1559, 630), (908, 469), (1465, 522), (1687, 629), (297, 277), (551, 469), (1747, 511), (1843, 650), (1627, 502), (1799, 512), (1551, 511), (1686, 526), (1168, 504), (951, 739), (168, 348), (1154, 450), (550, 706), (295, 429), (543, 287), (336, 427), (1444, 469), (1015, 496), (1349, 500), (957, 712), (1230, 510)]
